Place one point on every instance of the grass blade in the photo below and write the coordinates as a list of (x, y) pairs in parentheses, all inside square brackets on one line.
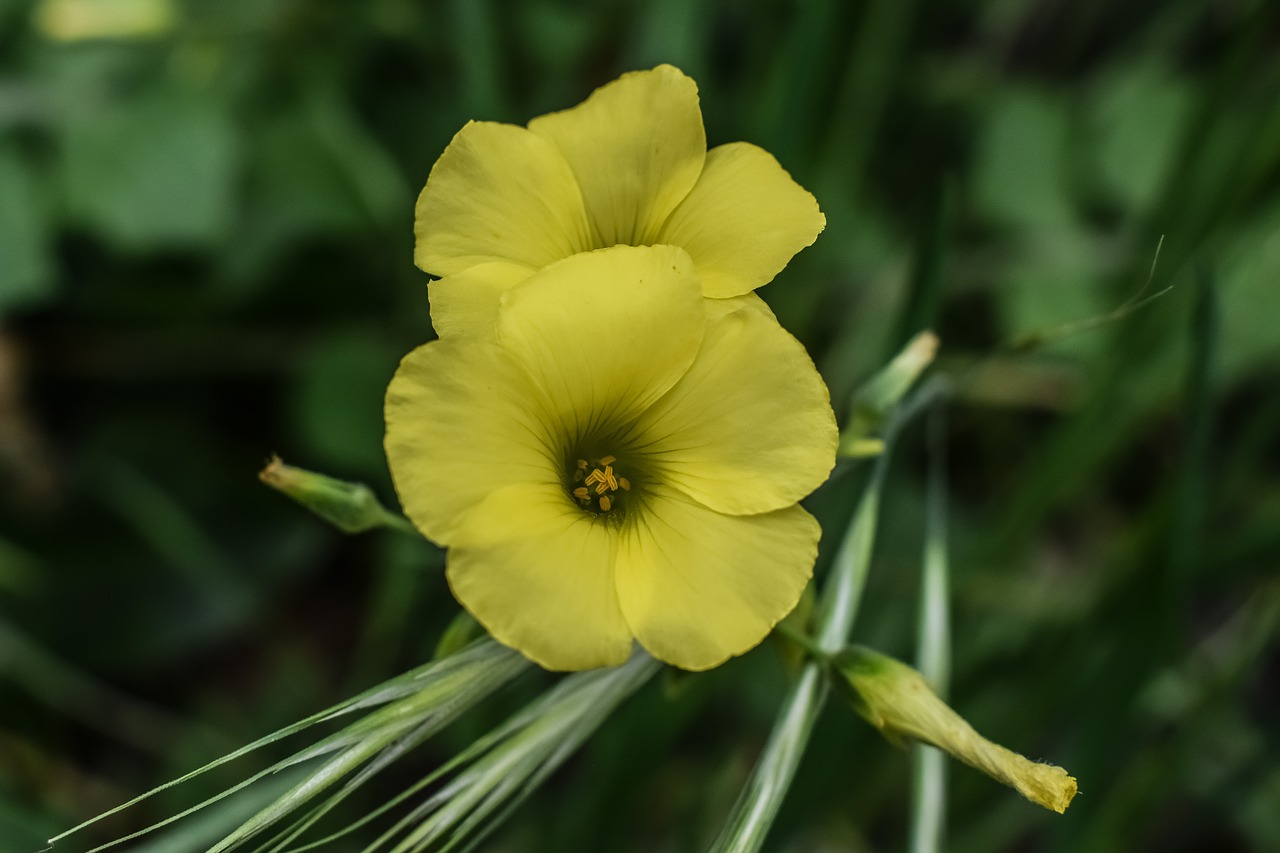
[(433, 695), (533, 745)]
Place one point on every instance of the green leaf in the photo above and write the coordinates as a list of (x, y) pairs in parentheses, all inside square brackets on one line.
[(1141, 116), (155, 172), (1020, 170)]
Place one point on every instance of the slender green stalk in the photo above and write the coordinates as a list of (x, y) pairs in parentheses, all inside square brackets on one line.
[(801, 639), (758, 805), (839, 606), (929, 784)]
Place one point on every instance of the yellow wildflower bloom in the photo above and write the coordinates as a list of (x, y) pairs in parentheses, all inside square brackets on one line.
[(628, 166), (617, 462)]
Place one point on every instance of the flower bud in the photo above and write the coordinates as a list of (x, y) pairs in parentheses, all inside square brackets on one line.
[(874, 400), (350, 507), (894, 698)]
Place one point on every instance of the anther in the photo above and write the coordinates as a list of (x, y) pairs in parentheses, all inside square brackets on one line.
[(596, 479)]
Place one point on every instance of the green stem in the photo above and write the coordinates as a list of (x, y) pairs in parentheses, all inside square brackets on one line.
[(929, 784), (803, 640), (757, 806)]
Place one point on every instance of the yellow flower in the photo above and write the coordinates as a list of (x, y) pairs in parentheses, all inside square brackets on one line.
[(617, 462), (628, 166)]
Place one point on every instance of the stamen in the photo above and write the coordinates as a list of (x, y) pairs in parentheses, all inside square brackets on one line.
[(595, 479)]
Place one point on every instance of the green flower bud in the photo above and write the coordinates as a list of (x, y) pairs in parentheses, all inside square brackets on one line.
[(874, 400), (350, 507)]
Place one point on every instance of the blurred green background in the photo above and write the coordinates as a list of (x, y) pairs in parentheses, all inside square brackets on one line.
[(206, 257)]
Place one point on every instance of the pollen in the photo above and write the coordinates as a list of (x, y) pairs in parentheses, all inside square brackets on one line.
[(595, 484)]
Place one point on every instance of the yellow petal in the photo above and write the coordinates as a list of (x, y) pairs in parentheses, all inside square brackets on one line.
[(466, 304), (698, 587), (449, 446), (538, 573), (604, 334), (749, 427), (743, 220), (498, 193), (719, 307), (636, 146)]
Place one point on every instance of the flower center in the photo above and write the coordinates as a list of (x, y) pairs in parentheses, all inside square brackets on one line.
[(596, 486)]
